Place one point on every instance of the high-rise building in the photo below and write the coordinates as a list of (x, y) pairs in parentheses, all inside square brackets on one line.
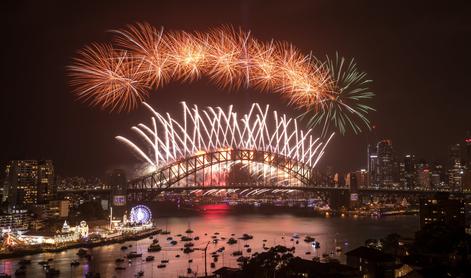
[(384, 176), (456, 169), (423, 175), (46, 181), (372, 165), (409, 171), (29, 182)]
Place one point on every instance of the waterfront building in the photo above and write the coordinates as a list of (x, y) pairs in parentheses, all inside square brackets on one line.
[(29, 182), (58, 209), (14, 221), (442, 209)]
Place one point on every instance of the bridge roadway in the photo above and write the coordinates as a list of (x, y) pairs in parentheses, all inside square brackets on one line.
[(303, 188)]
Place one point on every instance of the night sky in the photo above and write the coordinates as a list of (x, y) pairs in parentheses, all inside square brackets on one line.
[(417, 54)]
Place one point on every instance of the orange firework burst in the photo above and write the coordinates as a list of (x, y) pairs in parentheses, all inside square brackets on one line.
[(148, 58), (108, 78), (148, 44)]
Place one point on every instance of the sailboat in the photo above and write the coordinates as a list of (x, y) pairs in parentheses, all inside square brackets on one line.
[(166, 231)]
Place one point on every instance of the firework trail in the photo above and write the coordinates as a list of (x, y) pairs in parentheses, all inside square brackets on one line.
[(119, 76), (213, 129)]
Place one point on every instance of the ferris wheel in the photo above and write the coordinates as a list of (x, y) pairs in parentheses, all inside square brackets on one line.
[(140, 214)]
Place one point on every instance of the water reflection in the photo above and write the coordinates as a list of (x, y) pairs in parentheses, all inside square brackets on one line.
[(332, 233)]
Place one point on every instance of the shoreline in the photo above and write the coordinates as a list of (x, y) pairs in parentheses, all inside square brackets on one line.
[(121, 239)]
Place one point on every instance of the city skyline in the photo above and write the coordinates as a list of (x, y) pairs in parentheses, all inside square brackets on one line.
[(413, 105)]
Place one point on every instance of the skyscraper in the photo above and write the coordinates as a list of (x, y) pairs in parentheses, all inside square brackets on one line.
[(372, 165), (384, 176), (28, 182), (456, 169), (409, 171)]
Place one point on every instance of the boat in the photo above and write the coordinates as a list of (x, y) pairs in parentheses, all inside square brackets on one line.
[(74, 263), (246, 237), (155, 241), (338, 249), (308, 253), (190, 261), (295, 235), (297, 241), (232, 241), (246, 246), (51, 272), (213, 265), (249, 250), (164, 261), (221, 249), (189, 270), (124, 248), (154, 247), (185, 238), (150, 258), (119, 260), (24, 262), (134, 254), (161, 265), (189, 244), (316, 244), (151, 237), (188, 250), (165, 232), (309, 239), (237, 253), (173, 242), (177, 256), (179, 235), (215, 240), (140, 273), (120, 268), (196, 238), (169, 238)]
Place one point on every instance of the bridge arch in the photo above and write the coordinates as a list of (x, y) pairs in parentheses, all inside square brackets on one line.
[(169, 175)]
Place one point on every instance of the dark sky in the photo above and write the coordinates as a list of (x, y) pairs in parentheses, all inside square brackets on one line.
[(417, 54)]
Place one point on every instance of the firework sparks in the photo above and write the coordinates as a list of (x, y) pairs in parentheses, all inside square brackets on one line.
[(119, 77), (345, 108), (211, 129), (108, 78)]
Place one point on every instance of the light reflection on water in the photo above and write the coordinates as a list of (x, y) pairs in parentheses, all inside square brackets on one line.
[(348, 233)]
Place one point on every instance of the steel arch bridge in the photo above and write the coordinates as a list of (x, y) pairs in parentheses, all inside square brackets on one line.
[(167, 177)]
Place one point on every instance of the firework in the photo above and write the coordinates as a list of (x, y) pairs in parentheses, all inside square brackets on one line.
[(117, 77), (213, 129), (345, 108), (108, 78)]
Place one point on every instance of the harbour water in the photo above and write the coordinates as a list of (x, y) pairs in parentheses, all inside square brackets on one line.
[(269, 230)]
